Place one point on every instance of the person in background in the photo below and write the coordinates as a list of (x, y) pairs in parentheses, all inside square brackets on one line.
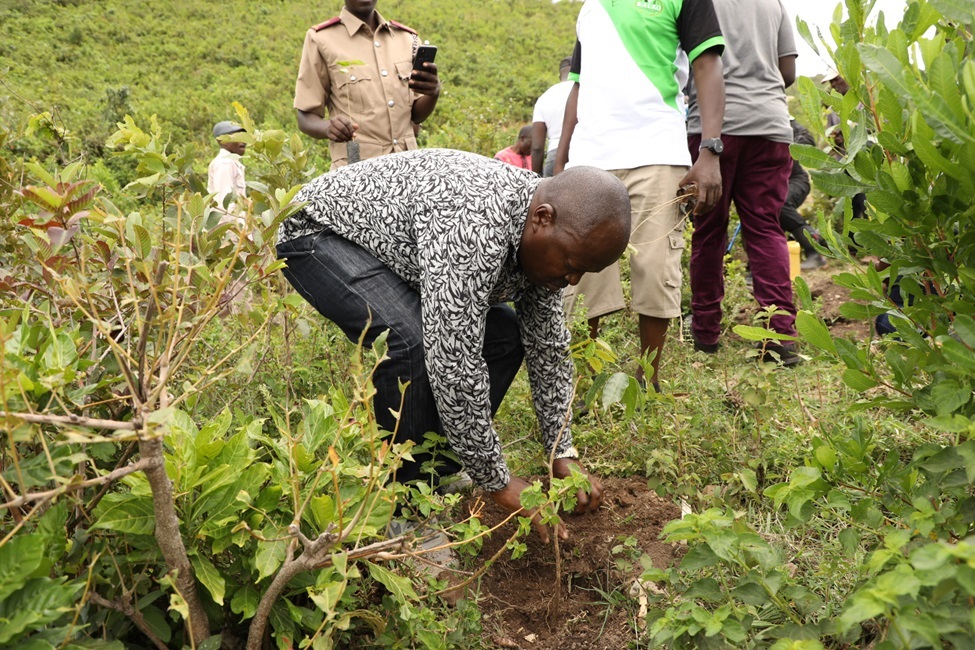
[(625, 113), (840, 85), (759, 63), (358, 68), (791, 221), (225, 175), (547, 121), (519, 154), (429, 246)]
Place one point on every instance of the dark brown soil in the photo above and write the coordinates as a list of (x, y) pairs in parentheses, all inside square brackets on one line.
[(517, 597)]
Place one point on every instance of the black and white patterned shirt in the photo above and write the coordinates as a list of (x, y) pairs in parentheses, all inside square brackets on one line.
[(450, 224)]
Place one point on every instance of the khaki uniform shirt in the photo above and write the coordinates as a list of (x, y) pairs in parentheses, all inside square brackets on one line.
[(374, 93)]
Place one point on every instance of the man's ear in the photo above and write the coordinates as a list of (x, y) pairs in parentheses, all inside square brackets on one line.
[(543, 215)]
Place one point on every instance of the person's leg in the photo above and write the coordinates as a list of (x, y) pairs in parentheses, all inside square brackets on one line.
[(357, 292), (759, 192), (503, 352), (602, 293), (708, 245), (658, 239)]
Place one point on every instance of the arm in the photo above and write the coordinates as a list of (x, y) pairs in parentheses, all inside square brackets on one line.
[(787, 68), (338, 129), (706, 171), (539, 132), (426, 83), (546, 339), (568, 127)]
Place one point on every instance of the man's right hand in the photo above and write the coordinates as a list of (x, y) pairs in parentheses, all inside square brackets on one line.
[(509, 498), (340, 129)]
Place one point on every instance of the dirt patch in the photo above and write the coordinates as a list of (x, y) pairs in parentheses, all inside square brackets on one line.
[(831, 297), (517, 597)]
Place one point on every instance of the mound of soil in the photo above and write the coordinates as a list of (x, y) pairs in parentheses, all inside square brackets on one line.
[(518, 597)]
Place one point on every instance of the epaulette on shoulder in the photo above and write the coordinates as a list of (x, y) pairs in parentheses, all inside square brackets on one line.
[(402, 26), (328, 23)]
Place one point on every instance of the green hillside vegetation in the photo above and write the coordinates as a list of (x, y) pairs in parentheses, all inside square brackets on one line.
[(90, 63)]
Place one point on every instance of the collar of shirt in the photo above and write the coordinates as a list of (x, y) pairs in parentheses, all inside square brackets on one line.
[(353, 24), (223, 153)]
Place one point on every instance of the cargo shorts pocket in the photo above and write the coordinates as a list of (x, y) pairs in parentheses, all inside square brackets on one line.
[(673, 272)]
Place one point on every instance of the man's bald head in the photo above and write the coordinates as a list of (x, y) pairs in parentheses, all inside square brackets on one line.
[(587, 200), (578, 222)]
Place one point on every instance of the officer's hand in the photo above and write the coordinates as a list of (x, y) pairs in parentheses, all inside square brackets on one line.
[(426, 81), (585, 501), (509, 498), (340, 129)]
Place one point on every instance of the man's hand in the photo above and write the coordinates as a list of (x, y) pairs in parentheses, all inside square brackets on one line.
[(340, 129), (706, 173), (586, 502), (509, 498), (426, 81)]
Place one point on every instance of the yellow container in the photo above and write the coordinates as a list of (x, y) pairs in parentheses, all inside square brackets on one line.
[(794, 259)]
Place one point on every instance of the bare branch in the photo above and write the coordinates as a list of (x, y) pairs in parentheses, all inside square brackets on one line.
[(125, 607), (77, 420), (170, 539), (115, 475)]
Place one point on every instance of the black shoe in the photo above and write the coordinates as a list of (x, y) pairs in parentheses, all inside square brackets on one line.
[(778, 353), (812, 261), (707, 348)]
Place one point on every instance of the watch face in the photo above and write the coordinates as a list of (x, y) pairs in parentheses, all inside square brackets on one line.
[(715, 145)]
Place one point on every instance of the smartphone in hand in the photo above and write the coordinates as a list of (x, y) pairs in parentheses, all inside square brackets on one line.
[(424, 54)]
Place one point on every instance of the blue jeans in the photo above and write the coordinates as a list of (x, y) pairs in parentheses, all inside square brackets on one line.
[(357, 292)]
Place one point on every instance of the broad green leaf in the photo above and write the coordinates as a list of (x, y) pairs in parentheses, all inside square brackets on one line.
[(949, 396), (850, 540), (245, 601), (125, 513), (614, 388), (210, 576), (812, 157), (886, 66), (814, 331), (699, 557), (399, 586), (157, 622), (269, 557), (857, 380), (19, 558), (960, 11), (965, 329), (751, 333), (836, 183), (40, 602)]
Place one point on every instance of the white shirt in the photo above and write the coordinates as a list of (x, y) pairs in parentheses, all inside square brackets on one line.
[(226, 176), (550, 109)]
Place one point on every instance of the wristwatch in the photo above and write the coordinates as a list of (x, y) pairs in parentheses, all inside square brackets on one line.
[(714, 145)]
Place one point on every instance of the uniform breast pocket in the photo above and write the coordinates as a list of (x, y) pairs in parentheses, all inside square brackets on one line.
[(355, 91), (403, 71)]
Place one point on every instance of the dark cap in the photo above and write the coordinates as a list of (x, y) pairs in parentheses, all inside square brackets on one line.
[(226, 128)]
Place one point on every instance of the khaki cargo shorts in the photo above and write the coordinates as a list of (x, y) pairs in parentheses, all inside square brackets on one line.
[(656, 245)]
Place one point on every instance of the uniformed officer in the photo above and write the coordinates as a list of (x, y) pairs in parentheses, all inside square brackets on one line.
[(359, 66)]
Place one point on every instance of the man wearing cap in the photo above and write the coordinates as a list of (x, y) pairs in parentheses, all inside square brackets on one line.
[(547, 121), (225, 176), (356, 81)]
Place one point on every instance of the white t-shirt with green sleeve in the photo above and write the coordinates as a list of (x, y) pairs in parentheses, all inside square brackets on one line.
[(637, 55)]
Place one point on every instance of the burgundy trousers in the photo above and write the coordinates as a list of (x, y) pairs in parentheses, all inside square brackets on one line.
[(755, 175)]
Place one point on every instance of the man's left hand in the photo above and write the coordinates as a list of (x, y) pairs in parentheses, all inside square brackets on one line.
[(426, 81), (586, 502), (706, 172)]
